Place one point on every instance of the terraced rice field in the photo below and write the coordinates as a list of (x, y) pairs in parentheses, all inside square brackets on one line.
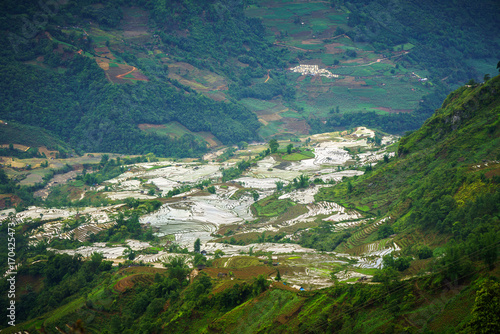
[(357, 238)]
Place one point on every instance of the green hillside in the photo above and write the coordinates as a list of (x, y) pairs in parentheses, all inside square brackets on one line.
[(441, 199), (91, 73), (29, 136)]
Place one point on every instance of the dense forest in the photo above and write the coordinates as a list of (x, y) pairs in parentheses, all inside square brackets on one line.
[(95, 115), (70, 96)]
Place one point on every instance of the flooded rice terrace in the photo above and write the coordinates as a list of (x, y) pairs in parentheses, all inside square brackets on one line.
[(197, 214), (200, 214)]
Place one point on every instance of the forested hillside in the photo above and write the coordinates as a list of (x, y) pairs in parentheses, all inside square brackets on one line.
[(68, 94), (449, 35), (97, 74)]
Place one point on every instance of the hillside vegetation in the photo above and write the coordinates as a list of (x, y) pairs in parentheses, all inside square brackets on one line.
[(95, 73)]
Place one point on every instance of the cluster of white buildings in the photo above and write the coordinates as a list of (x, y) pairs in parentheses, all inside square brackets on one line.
[(313, 70)]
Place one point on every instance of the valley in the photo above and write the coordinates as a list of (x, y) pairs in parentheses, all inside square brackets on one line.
[(291, 166), (313, 229), (198, 214)]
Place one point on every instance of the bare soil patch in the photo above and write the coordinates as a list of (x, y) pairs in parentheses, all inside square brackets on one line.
[(271, 117), (244, 273), (210, 139), (328, 33), (181, 68), (103, 65), (301, 34), (311, 41), (104, 52), (351, 81), (317, 79), (356, 60), (333, 48), (146, 126), (118, 74), (296, 125), (216, 96), (14, 200), (129, 281)]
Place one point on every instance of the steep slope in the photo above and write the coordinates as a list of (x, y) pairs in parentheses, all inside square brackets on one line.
[(445, 178), (54, 78)]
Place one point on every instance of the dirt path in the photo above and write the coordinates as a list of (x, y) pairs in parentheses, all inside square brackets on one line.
[(267, 76), (121, 76)]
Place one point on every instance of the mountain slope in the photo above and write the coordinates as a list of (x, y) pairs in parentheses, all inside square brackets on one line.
[(445, 178)]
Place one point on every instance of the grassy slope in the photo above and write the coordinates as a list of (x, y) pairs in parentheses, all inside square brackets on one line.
[(460, 135), (16, 133), (345, 308)]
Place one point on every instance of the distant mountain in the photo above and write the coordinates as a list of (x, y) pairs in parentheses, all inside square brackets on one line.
[(121, 77)]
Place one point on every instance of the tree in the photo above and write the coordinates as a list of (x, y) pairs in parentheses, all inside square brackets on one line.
[(197, 244), (386, 158), (218, 253), (177, 268), (199, 259), (472, 82), (259, 285), (387, 276), (104, 159), (485, 316), (255, 196), (279, 185), (211, 189), (289, 148), (424, 252), (384, 231), (302, 182), (278, 276), (273, 145), (116, 324), (489, 253)]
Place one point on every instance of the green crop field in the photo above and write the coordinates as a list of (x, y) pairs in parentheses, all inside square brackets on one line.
[(271, 206), (296, 157), (270, 129), (256, 105)]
